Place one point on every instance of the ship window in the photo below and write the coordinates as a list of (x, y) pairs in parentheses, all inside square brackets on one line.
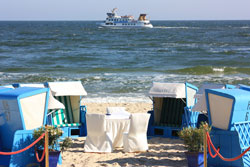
[(114, 24)]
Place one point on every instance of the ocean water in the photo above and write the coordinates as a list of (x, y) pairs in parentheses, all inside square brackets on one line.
[(121, 64)]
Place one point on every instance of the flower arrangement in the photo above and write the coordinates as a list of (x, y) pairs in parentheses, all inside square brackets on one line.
[(54, 135), (193, 137)]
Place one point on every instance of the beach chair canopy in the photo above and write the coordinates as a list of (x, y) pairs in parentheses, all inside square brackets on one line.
[(200, 96), (68, 93), (244, 87), (174, 90), (21, 109), (53, 103), (227, 106), (73, 88), (169, 100), (5, 88)]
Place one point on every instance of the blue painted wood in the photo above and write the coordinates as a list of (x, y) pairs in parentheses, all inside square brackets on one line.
[(240, 108), (14, 117), (229, 144), (83, 128), (174, 118)]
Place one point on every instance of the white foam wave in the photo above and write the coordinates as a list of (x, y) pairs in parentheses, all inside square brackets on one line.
[(166, 27), (218, 69), (245, 27)]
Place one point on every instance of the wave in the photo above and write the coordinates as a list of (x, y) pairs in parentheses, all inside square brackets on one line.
[(245, 27), (202, 70), (167, 27)]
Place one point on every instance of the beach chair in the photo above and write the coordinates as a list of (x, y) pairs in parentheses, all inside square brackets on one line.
[(136, 138), (169, 114), (71, 118), (21, 111), (98, 139), (228, 115)]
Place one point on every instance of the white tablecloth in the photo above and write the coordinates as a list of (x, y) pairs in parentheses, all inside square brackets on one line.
[(117, 124)]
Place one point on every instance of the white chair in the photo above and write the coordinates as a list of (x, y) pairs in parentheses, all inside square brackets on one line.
[(97, 140), (136, 138)]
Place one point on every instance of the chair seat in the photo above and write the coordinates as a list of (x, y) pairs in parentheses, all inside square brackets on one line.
[(68, 125)]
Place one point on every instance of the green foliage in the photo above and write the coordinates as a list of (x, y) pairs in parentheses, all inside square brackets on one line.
[(66, 143), (54, 135), (193, 137)]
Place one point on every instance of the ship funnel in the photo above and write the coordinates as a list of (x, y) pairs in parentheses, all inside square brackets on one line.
[(142, 17)]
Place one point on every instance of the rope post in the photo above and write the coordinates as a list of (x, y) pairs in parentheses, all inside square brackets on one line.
[(46, 147), (205, 145)]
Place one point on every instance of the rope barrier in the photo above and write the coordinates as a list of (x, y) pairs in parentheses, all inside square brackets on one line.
[(217, 151), (24, 149), (209, 150), (42, 157)]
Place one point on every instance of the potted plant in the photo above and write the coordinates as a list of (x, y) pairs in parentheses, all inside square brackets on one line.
[(56, 145), (193, 141)]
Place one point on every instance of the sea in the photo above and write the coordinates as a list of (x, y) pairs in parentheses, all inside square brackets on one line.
[(121, 64)]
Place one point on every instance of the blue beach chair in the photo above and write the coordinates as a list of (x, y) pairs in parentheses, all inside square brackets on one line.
[(21, 111), (228, 113), (71, 118), (168, 115)]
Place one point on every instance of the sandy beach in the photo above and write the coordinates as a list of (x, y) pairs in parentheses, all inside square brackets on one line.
[(162, 151)]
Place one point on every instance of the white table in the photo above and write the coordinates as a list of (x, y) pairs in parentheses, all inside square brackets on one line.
[(117, 124)]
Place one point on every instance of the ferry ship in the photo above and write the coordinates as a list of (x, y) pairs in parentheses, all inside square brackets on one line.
[(113, 20)]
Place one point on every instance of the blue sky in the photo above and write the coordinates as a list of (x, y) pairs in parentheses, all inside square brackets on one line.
[(96, 9)]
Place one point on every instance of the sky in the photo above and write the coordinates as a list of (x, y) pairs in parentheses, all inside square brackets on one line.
[(97, 9)]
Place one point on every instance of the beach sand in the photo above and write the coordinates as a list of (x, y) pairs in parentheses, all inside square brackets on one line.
[(162, 151)]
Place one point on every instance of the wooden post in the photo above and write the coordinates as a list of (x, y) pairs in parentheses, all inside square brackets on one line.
[(205, 145), (46, 147)]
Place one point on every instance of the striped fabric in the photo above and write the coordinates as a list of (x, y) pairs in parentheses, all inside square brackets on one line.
[(58, 117), (67, 125), (68, 109), (172, 111), (63, 117)]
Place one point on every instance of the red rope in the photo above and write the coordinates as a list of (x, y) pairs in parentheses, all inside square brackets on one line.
[(31, 145), (225, 159), (210, 152), (37, 157)]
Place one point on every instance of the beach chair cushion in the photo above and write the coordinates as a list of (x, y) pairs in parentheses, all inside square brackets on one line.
[(68, 108), (59, 119), (172, 111), (68, 125)]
